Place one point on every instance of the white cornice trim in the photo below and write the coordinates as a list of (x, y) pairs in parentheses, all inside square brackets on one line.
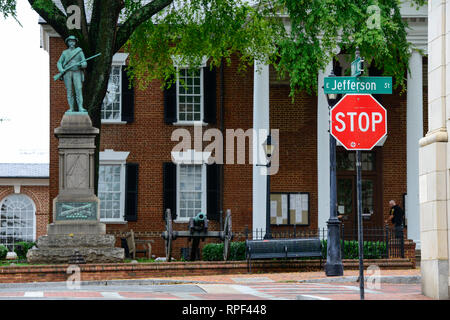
[(119, 58), (110, 155), (190, 157), (179, 63), (46, 32), (24, 182)]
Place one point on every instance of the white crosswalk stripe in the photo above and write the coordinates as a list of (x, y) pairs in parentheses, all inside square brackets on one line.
[(34, 294), (112, 295), (294, 291)]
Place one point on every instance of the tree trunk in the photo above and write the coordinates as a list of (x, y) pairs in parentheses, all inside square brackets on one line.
[(101, 40)]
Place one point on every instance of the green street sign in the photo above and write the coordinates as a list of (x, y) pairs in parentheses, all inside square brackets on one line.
[(375, 85), (356, 67)]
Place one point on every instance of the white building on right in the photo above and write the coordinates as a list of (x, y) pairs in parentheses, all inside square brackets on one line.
[(434, 158)]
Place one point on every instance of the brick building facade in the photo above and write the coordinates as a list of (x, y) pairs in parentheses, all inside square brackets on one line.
[(24, 202), (136, 144)]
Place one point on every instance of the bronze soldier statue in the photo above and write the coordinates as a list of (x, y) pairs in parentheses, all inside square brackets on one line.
[(71, 65)]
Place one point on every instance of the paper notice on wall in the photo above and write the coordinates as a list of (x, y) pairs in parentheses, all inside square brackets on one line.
[(299, 207), (284, 206), (296, 208), (305, 202), (273, 208), (341, 209)]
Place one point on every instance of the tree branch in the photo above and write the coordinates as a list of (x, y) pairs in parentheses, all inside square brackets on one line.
[(136, 19), (53, 17)]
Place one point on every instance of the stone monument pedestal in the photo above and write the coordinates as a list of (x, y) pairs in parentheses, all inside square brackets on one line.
[(76, 215)]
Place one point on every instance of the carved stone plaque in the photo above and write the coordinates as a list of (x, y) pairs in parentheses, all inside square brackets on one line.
[(77, 173), (76, 211)]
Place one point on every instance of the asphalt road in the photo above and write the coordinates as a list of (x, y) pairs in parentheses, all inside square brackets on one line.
[(254, 289)]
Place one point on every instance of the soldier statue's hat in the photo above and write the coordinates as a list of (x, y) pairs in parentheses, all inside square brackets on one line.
[(71, 38)]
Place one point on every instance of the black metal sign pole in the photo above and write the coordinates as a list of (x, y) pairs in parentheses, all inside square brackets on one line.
[(360, 226)]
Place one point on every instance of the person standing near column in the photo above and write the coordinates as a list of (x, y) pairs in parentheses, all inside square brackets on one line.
[(396, 216)]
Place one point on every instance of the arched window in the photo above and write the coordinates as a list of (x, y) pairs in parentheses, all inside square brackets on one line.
[(17, 220)]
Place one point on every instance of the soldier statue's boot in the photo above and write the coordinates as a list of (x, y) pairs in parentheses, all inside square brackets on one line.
[(80, 104), (70, 100)]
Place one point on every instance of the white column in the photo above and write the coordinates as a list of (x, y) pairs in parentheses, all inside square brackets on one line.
[(260, 121), (323, 152), (433, 160), (414, 132)]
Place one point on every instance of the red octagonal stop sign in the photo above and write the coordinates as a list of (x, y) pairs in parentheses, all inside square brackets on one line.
[(358, 121)]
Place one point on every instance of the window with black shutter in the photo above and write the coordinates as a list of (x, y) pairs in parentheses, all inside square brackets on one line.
[(170, 104), (170, 189), (127, 98), (209, 94), (213, 191), (131, 191)]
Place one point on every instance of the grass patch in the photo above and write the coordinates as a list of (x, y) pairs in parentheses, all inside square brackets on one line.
[(15, 263)]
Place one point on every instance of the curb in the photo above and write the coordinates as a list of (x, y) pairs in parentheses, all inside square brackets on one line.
[(382, 279), (139, 282), (145, 282)]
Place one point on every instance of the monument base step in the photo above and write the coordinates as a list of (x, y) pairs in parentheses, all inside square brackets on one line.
[(65, 255), (76, 240), (93, 248), (95, 228)]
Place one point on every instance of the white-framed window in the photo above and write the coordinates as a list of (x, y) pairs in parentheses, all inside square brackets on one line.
[(190, 95), (17, 220), (191, 190), (111, 111), (112, 103), (191, 183), (111, 185)]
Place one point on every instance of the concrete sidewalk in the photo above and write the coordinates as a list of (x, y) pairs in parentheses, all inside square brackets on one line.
[(392, 285), (411, 276)]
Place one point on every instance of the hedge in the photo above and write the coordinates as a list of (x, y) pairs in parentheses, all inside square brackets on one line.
[(21, 249), (3, 252), (372, 250), (214, 251)]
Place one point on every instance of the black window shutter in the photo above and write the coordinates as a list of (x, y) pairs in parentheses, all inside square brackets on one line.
[(170, 189), (212, 191), (127, 98), (209, 95), (170, 104), (131, 191)]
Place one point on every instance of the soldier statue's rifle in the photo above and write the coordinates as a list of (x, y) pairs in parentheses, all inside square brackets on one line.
[(59, 75)]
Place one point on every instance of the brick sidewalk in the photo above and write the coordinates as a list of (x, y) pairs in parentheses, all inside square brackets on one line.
[(286, 277), (244, 286)]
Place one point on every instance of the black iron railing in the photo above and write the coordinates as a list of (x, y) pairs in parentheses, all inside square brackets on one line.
[(384, 242)]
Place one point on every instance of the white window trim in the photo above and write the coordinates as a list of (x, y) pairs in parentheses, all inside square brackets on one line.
[(119, 59), (192, 122), (190, 157), (111, 157), (34, 211), (178, 64)]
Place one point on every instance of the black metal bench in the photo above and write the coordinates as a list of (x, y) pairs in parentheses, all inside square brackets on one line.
[(283, 248)]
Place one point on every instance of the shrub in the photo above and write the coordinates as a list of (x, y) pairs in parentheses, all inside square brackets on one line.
[(21, 249), (371, 249), (214, 251), (3, 252), (237, 251)]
